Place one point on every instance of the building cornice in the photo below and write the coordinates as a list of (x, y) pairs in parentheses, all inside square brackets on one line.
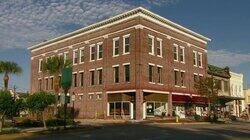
[(142, 12)]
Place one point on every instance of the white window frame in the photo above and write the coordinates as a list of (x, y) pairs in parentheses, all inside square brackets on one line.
[(160, 66), (65, 55), (90, 53), (115, 66), (177, 52), (98, 75), (195, 58), (81, 83), (90, 79), (40, 65), (160, 40), (75, 56), (80, 55), (200, 56), (183, 79), (152, 47), (126, 64), (151, 64), (177, 77), (183, 53), (124, 45), (98, 49), (114, 40), (98, 93)]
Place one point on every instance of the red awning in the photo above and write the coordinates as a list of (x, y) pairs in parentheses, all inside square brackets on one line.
[(188, 99)]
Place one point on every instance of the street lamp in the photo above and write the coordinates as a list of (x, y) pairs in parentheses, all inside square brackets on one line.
[(73, 98)]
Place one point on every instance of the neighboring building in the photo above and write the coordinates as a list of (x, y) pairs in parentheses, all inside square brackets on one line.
[(247, 100), (236, 90), (134, 65)]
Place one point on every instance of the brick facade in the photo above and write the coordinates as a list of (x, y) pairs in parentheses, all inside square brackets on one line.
[(138, 28)]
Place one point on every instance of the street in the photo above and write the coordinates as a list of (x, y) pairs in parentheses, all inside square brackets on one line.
[(156, 131)]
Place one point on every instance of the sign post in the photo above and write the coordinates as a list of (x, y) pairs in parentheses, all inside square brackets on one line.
[(66, 81)]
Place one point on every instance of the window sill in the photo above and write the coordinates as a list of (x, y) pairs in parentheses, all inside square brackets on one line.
[(176, 86), (91, 60), (126, 53), (160, 84), (159, 56), (115, 55), (183, 87), (176, 61), (100, 59), (151, 53), (151, 82), (75, 64), (182, 62), (81, 63)]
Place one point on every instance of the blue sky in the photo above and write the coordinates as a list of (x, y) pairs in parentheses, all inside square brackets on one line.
[(27, 22)]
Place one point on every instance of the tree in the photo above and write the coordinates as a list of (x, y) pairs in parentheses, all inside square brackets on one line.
[(39, 101), (5, 106), (7, 68), (208, 88), (54, 66)]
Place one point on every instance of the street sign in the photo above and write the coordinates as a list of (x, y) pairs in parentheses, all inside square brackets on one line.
[(66, 79)]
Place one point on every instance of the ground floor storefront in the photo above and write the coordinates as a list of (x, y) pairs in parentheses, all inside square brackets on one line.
[(140, 104)]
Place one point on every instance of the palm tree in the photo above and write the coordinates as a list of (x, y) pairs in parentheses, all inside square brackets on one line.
[(54, 66), (7, 68)]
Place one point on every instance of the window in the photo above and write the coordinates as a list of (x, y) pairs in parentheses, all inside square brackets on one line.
[(40, 84), (81, 79), (75, 57), (182, 55), (159, 73), (176, 77), (51, 83), (92, 53), (81, 55), (116, 46), (75, 79), (126, 44), (175, 52), (65, 56), (127, 72), (91, 96), (182, 78), (226, 86), (200, 59), (99, 76), (159, 47), (151, 44), (119, 108), (98, 96), (195, 58), (150, 72), (46, 83), (92, 78), (40, 65), (196, 78), (100, 51), (116, 74)]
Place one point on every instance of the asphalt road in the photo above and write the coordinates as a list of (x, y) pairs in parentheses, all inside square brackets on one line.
[(156, 131)]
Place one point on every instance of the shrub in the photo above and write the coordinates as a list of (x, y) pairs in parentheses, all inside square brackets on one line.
[(57, 122), (29, 123), (197, 117), (10, 131), (232, 118)]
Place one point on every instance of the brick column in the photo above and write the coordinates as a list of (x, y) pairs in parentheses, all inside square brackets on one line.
[(170, 104), (139, 104)]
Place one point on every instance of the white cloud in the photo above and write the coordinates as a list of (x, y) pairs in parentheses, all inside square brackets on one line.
[(25, 22), (227, 58)]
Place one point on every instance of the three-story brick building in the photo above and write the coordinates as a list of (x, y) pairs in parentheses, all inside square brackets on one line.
[(134, 65)]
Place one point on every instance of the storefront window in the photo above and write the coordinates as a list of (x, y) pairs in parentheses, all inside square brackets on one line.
[(156, 108), (119, 108), (126, 108), (111, 108)]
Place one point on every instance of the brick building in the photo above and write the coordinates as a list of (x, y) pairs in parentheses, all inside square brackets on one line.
[(134, 65)]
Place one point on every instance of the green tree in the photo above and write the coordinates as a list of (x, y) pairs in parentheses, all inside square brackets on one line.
[(5, 106), (208, 88), (39, 101), (54, 66), (7, 68)]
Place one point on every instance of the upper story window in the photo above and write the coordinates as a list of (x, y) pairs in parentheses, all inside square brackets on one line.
[(40, 67), (195, 58), (175, 49), (92, 77), (159, 74), (51, 83), (40, 84), (127, 72), (182, 77), (196, 78), (65, 55), (75, 57), (126, 44), (100, 51), (176, 77), (150, 73), (200, 60), (116, 47), (151, 44), (92, 52), (75, 79), (46, 83), (81, 78), (182, 54), (99, 76), (81, 55), (159, 47), (116, 73)]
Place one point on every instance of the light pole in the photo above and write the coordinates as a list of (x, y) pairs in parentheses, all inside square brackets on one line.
[(73, 97)]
